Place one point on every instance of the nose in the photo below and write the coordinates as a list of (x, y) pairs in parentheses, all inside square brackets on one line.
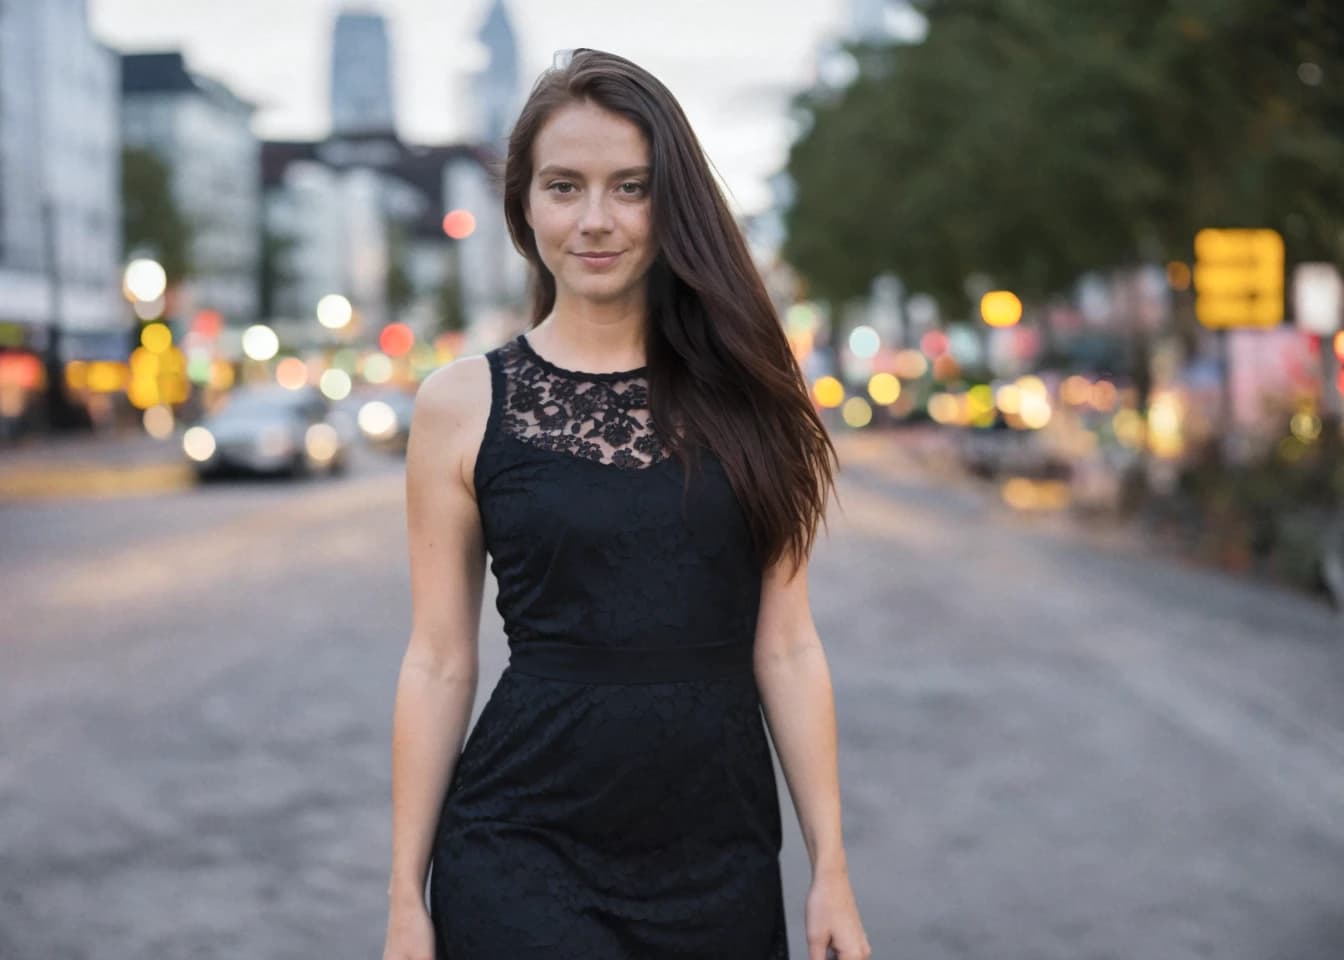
[(595, 217)]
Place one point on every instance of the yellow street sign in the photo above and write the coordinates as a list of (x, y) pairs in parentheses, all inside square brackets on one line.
[(1239, 278)]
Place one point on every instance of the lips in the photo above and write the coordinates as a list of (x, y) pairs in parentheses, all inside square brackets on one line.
[(601, 258)]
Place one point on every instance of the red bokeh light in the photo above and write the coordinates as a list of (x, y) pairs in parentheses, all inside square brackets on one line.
[(396, 339), (207, 323), (459, 224), (933, 343)]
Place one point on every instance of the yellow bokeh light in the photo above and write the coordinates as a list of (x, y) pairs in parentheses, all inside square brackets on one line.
[(1035, 412), (1031, 385), (1306, 427), (1129, 428), (857, 412), (884, 388), (1178, 275), (944, 408), (221, 375), (979, 400), (77, 375), (156, 337), (1000, 308), (1009, 398), (108, 376), (828, 391)]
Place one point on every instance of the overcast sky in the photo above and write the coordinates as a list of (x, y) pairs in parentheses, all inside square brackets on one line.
[(731, 63)]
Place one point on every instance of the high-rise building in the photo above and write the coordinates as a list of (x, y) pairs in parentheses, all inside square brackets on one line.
[(203, 133), (60, 206), (495, 88), (362, 99)]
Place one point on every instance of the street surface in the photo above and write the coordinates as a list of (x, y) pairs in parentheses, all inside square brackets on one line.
[(1053, 746)]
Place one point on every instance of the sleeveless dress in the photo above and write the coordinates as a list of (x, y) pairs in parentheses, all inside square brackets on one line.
[(616, 799)]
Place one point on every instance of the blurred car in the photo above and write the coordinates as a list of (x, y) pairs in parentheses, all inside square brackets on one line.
[(383, 416), (270, 429)]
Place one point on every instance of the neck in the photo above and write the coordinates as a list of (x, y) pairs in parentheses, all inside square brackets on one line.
[(595, 336)]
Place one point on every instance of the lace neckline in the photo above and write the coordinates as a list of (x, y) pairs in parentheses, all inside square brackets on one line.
[(577, 374)]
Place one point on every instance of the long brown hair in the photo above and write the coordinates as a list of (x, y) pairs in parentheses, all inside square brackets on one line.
[(719, 364)]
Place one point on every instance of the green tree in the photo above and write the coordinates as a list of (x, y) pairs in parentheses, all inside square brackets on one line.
[(1035, 139), (400, 290), (152, 218)]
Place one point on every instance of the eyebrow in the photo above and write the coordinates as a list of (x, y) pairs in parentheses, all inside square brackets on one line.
[(552, 169)]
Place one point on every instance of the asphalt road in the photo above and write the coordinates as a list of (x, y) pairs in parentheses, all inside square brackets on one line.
[(1051, 746)]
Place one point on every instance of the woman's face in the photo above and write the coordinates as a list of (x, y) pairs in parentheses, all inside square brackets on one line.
[(588, 204)]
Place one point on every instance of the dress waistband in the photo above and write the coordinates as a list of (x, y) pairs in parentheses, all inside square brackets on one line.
[(586, 663)]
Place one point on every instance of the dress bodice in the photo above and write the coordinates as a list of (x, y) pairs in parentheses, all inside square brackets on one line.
[(593, 534)]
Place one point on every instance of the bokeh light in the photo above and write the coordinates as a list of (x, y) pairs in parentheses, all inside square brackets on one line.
[(198, 443), (396, 339), (857, 412), (145, 280), (334, 384), (334, 311), (291, 373), (864, 341), (377, 368), (158, 421), (828, 392), (884, 388), (260, 342), (156, 337), (459, 224), (1000, 308), (377, 419)]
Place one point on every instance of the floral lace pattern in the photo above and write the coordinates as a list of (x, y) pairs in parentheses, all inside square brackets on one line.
[(602, 817), (602, 417)]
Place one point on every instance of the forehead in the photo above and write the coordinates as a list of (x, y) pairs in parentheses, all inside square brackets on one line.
[(585, 137)]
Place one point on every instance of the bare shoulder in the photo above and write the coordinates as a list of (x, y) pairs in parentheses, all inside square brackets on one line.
[(452, 406)]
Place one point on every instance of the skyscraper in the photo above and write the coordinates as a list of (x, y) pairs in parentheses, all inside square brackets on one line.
[(495, 89), (362, 99)]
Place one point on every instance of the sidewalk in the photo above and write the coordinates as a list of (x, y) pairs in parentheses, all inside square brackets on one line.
[(120, 463)]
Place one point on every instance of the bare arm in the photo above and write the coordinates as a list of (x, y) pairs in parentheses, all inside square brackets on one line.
[(437, 685), (795, 684)]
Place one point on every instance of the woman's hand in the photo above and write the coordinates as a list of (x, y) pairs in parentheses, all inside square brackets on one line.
[(410, 935), (834, 930)]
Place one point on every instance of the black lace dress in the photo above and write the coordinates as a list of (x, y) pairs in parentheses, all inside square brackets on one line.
[(616, 799)]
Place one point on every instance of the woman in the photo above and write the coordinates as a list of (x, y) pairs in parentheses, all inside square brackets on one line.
[(646, 472)]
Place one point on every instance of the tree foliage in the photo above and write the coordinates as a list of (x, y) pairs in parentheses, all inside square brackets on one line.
[(1033, 140), (151, 217)]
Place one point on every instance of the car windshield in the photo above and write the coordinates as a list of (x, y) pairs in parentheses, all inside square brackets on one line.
[(251, 403)]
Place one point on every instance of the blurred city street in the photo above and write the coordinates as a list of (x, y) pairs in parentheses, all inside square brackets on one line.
[(1054, 744)]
